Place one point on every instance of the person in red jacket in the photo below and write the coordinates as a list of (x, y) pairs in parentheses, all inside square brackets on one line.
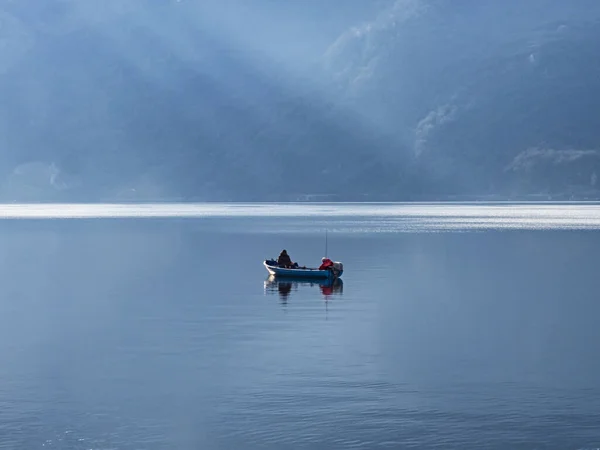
[(325, 263)]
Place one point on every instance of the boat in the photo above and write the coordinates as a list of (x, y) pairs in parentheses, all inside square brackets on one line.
[(304, 272)]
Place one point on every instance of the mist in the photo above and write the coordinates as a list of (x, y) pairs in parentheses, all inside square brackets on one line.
[(231, 101)]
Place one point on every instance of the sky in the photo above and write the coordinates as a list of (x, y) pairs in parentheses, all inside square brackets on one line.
[(190, 97)]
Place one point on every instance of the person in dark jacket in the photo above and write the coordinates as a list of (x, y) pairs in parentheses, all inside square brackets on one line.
[(284, 260)]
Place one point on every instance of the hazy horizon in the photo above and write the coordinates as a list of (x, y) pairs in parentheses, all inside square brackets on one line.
[(224, 101)]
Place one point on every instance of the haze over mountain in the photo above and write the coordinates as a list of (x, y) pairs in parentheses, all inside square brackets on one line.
[(270, 100)]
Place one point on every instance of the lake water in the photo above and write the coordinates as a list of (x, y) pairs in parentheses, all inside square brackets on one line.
[(156, 327)]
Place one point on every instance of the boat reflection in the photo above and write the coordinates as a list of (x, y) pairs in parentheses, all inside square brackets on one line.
[(284, 286)]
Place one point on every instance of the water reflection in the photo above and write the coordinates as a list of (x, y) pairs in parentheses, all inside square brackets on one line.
[(284, 286)]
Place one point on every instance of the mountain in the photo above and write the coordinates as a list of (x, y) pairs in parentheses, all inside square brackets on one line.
[(219, 100), (486, 97)]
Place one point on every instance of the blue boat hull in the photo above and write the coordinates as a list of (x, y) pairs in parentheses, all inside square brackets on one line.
[(301, 273)]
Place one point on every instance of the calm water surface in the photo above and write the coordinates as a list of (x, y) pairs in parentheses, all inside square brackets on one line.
[(471, 327)]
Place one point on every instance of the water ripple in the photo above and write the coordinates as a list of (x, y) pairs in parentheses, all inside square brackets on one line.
[(355, 218)]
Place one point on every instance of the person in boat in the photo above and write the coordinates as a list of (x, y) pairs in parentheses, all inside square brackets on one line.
[(284, 260), (326, 263)]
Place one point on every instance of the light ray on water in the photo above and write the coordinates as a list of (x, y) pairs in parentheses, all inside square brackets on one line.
[(382, 217)]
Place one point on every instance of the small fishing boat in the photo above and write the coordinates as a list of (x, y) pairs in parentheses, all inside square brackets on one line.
[(304, 272)]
